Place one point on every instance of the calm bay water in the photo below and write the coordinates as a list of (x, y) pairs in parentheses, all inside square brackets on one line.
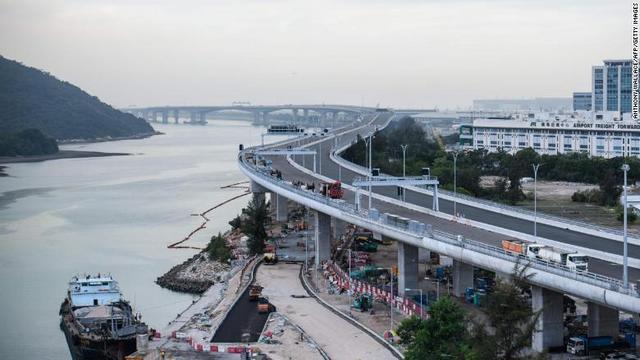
[(110, 215)]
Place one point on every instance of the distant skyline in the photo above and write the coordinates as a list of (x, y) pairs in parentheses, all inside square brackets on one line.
[(404, 53)]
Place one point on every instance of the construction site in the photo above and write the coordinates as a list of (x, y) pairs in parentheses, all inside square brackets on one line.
[(283, 302)]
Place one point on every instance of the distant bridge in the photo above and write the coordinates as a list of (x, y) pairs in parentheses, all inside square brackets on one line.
[(319, 115)]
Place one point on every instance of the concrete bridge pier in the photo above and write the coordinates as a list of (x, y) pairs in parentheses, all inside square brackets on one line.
[(305, 115), (339, 226), (194, 117), (151, 116), (294, 114), (282, 210), (424, 256), (203, 117), (165, 117), (322, 120), (257, 191), (322, 228), (462, 277), (176, 116), (265, 117), (504, 277), (407, 267), (602, 320), (550, 324)]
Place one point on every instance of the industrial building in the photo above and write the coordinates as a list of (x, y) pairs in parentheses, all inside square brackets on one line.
[(605, 134)]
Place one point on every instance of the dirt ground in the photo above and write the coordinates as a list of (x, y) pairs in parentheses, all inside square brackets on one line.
[(286, 341), (554, 198), (553, 189)]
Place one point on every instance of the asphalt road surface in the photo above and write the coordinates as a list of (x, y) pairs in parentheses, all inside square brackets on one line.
[(243, 318), (569, 237)]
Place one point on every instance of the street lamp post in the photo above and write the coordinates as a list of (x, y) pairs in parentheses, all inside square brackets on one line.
[(535, 199), (349, 290), (320, 157), (404, 166), (421, 313), (455, 184), (306, 238), (625, 275), (392, 296), (369, 144)]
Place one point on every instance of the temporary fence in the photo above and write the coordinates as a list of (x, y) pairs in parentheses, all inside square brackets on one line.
[(407, 306)]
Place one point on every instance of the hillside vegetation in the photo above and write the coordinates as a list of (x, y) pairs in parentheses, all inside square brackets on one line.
[(33, 99), (27, 142)]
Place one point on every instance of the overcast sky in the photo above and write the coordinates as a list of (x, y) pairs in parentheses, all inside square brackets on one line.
[(400, 53)]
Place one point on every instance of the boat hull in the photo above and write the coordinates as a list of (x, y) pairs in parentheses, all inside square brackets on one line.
[(92, 348)]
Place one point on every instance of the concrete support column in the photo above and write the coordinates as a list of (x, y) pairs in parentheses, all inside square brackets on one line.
[(462, 277), (322, 119), (176, 115), (194, 117), (151, 116), (305, 115), (258, 191), (294, 113), (424, 255), (602, 320), (282, 211), (165, 117), (504, 277), (407, 267), (339, 226), (322, 228), (264, 117), (203, 117), (550, 324)]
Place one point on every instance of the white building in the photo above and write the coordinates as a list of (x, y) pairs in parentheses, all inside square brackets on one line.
[(603, 134)]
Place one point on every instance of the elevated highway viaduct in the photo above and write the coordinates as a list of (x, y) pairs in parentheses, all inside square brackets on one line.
[(605, 300)]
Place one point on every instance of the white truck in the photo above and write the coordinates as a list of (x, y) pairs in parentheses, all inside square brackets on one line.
[(573, 260)]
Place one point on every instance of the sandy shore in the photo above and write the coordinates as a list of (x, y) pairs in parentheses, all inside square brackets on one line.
[(62, 154)]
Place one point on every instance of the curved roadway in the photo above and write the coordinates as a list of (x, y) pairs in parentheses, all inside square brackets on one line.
[(569, 237)]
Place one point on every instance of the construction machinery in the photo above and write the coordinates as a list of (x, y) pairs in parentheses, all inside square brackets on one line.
[(363, 302), (255, 292), (264, 306), (333, 190), (270, 258)]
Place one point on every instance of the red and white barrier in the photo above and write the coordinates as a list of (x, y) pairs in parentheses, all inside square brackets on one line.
[(406, 305)]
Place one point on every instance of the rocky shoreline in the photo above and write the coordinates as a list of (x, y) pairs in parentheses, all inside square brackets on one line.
[(195, 275)]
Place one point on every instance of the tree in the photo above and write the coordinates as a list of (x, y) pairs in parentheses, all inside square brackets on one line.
[(443, 336), (510, 317), (609, 188), (257, 216), (408, 329), (218, 249), (236, 222), (27, 142)]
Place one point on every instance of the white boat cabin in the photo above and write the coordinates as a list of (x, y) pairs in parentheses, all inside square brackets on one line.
[(93, 291)]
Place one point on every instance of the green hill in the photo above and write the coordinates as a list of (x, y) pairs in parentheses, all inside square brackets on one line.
[(33, 99)]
